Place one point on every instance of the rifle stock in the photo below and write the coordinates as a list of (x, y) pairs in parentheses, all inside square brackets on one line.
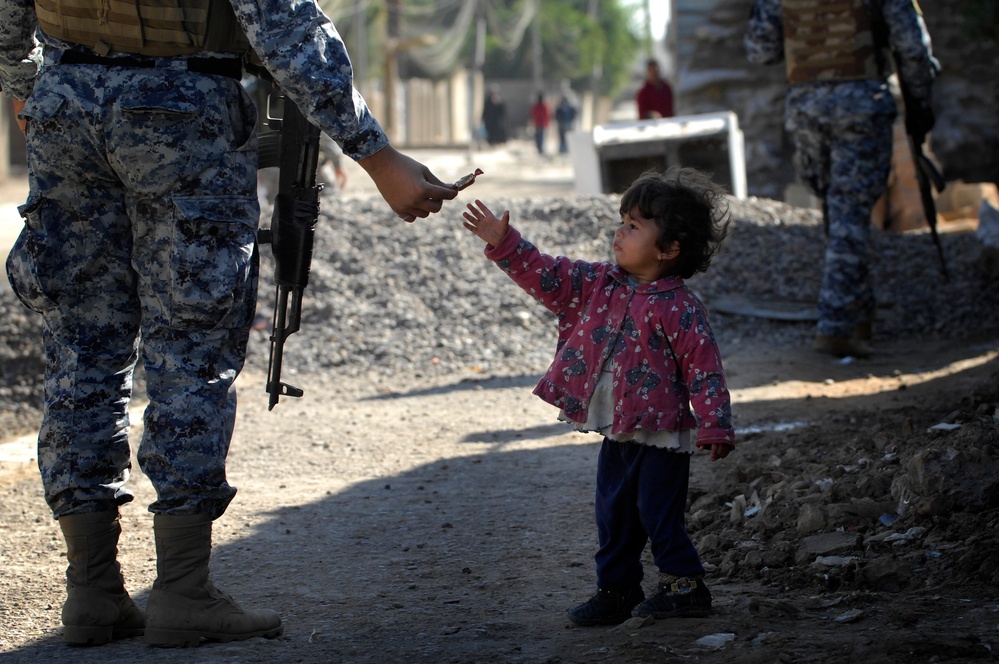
[(295, 150)]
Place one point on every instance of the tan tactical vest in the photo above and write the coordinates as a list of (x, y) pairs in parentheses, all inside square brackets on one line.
[(829, 40), (158, 28)]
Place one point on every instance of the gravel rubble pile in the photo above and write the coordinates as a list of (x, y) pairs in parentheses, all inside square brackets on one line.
[(393, 298), (861, 502), (387, 297)]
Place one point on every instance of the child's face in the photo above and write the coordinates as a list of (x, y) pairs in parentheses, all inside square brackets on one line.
[(635, 247)]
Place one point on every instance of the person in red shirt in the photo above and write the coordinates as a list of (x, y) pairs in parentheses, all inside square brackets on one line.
[(655, 98), (540, 118)]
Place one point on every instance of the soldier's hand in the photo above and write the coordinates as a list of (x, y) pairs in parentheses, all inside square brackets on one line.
[(408, 186)]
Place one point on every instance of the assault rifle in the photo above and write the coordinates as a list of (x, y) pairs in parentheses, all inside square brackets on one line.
[(918, 122), (294, 148), (928, 177)]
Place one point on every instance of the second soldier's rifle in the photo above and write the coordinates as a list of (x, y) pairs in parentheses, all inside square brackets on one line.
[(294, 148), (928, 177)]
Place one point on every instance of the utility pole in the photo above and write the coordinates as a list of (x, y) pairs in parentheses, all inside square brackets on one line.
[(478, 61), (670, 43), (359, 55), (393, 9), (597, 72), (394, 45), (649, 50), (538, 73)]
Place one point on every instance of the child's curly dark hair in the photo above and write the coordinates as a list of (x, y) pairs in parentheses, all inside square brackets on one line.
[(688, 208)]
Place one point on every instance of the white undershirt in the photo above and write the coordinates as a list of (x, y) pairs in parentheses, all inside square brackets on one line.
[(600, 418)]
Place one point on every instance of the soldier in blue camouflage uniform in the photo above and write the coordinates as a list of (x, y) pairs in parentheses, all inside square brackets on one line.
[(839, 113), (141, 225)]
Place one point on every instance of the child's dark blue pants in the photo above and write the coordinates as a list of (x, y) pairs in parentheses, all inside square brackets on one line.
[(641, 497)]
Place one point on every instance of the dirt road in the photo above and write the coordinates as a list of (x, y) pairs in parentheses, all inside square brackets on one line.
[(447, 517), (449, 520)]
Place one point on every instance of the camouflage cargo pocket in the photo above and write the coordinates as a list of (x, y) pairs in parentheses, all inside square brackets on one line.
[(26, 262), (212, 263)]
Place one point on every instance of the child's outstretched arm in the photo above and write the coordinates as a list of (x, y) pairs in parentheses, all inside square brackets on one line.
[(480, 220)]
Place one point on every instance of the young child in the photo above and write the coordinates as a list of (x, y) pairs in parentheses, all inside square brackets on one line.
[(638, 364)]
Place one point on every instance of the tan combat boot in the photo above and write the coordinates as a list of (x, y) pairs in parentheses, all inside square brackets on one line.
[(184, 605), (97, 608)]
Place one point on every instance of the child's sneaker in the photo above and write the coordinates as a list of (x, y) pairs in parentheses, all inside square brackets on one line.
[(677, 596), (607, 607)]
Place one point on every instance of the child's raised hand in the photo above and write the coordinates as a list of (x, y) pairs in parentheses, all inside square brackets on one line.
[(481, 221)]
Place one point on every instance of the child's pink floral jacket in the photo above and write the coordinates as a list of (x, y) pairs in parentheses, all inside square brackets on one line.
[(669, 374)]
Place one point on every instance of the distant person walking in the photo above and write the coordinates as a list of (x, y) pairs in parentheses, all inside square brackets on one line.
[(565, 117), (540, 117), (655, 98), (494, 117)]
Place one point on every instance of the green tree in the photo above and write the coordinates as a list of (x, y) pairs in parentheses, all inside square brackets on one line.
[(573, 44)]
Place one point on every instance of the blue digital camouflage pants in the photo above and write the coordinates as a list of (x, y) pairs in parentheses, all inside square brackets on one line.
[(842, 134), (139, 237)]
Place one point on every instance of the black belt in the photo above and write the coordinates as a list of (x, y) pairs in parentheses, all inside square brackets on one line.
[(231, 67)]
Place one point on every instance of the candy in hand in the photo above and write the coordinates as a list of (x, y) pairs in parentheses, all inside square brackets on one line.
[(467, 180)]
